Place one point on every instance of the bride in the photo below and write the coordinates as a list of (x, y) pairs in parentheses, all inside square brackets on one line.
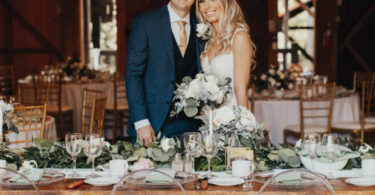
[(229, 52)]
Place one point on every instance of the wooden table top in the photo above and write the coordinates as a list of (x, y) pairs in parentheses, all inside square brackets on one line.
[(60, 188)]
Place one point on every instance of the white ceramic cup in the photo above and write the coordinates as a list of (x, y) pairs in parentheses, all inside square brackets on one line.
[(3, 164), (242, 168), (368, 167), (118, 167)]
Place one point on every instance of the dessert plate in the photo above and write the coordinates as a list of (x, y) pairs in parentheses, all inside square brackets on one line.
[(226, 181)]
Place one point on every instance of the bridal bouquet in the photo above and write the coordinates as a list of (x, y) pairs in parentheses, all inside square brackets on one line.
[(204, 90), (238, 121)]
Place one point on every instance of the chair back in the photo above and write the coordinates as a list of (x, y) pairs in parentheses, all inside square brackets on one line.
[(137, 176), (7, 82), (119, 90), (367, 104), (97, 115), (92, 102), (29, 95), (359, 77), (54, 82), (295, 181), (316, 102), (30, 122)]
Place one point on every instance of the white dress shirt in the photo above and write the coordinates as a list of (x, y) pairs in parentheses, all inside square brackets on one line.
[(173, 18)]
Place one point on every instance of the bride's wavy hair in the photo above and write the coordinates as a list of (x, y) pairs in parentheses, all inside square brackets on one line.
[(230, 20)]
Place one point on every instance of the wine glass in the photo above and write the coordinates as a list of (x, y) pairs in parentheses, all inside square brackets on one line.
[(73, 144), (209, 148), (192, 143), (330, 149), (310, 144), (92, 149)]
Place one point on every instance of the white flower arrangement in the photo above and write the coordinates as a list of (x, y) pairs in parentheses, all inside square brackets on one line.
[(203, 31), (237, 121), (204, 90), (273, 78), (366, 151), (167, 143), (5, 109)]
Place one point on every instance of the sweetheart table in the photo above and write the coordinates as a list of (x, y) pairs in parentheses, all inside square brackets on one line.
[(60, 188)]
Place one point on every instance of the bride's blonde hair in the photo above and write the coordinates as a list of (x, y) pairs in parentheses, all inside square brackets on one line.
[(230, 20)]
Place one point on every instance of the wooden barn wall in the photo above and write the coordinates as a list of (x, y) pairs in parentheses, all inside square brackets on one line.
[(255, 11), (56, 20), (356, 19)]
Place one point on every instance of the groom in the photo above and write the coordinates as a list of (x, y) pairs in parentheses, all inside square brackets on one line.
[(162, 50)]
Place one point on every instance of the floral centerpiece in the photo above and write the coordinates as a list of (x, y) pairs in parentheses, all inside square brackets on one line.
[(274, 78), (204, 90), (6, 123)]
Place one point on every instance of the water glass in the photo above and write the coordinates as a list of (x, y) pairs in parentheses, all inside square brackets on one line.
[(92, 149), (73, 144), (330, 149), (209, 148), (192, 143), (310, 144)]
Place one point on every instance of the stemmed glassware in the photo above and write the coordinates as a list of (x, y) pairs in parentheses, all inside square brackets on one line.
[(192, 143), (209, 148), (92, 149), (310, 144), (330, 149), (73, 144)]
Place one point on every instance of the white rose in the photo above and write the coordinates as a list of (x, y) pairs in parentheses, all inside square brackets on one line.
[(281, 75), (223, 116), (247, 118), (167, 144), (290, 86), (263, 77), (202, 31), (298, 144), (272, 81), (364, 148), (271, 71), (194, 89), (278, 84)]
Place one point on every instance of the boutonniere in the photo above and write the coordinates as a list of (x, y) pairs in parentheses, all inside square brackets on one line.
[(203, 31)]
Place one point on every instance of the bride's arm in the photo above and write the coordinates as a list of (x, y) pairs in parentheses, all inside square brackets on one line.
[(242, 51)]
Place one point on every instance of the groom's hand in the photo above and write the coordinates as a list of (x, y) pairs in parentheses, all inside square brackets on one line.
[(146, 135)]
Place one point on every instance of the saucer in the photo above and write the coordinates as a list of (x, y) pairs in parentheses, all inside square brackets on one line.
[(361, 181), (226, 181), (101, 181)]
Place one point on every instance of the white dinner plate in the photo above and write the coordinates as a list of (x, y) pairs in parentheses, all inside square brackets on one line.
[(361, 181), (226, 181), (101, 181)]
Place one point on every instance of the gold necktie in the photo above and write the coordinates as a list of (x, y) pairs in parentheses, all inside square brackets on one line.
[(183, 37)]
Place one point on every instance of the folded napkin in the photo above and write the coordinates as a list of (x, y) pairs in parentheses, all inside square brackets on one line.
[(286, 177), (159, 178), (33, 175)]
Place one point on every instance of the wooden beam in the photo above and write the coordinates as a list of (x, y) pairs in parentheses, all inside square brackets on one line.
[(358, 57), (22, 20), (357, 27), (306, 8)]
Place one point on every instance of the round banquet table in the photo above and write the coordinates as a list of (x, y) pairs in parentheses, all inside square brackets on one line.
[(278, 114), (72, 95), (49, 133)]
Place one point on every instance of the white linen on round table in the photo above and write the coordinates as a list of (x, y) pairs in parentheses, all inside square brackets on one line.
[(278, 114), (49, 133), (72, 95)]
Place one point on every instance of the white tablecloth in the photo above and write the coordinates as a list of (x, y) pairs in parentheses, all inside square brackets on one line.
[(49, 133), (278, 114)]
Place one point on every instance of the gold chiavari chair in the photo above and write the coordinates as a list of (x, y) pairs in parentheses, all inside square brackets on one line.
[(31, 95), (7, 82), (120, 109), (315, 103), (359, 77), (30, 121), (358, 128), (62, 113), (91, 111)]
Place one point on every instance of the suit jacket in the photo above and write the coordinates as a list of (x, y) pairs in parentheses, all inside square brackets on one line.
[(150, 68)]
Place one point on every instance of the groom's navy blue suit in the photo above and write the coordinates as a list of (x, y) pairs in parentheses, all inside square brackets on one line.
[(154, 65)]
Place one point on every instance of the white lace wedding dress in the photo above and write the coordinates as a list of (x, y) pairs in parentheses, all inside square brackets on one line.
[(222, 65)]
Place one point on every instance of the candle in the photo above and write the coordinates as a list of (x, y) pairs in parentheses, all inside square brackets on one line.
[(211, 128)]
